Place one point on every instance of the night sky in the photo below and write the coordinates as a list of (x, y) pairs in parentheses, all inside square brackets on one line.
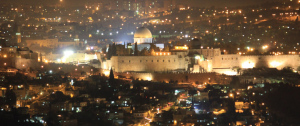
[(198, 3)]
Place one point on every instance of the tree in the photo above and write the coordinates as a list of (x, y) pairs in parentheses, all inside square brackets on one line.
[(58, 96), (144, 52), (52, 119), (111, 76), (109, 52), (136, 50), (10, 98), (112, 51)]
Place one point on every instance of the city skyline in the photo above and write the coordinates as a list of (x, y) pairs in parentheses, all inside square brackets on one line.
[(149, 62)]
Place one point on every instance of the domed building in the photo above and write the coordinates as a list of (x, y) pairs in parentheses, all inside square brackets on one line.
[(142, 35)]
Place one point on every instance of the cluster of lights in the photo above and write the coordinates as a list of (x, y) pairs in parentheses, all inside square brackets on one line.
[(240, 53), (181, 47), (250, 49), (292, 52), (89, 48), (162, 53), (264, 47), (277, 53)]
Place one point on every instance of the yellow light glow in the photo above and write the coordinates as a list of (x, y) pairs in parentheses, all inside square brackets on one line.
[(275, 64), (216, 112), (148, 78), (264, 47), (106, 73), (181, 47), (248, 65)]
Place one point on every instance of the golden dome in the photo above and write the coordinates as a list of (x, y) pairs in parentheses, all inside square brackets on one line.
[(142, 32)]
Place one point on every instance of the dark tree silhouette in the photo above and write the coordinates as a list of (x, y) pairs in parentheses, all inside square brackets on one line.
[(136, 50), (111, 76), (10, 98)]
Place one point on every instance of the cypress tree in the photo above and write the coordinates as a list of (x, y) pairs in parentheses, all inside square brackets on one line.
[(135, 49)]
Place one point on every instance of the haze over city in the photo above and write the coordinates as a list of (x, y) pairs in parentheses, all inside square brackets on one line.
[(149, 62), (192, 3)]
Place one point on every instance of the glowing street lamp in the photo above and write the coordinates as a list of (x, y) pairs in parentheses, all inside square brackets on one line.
[(231, 95)]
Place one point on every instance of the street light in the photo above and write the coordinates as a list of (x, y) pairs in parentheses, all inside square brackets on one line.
[(230, 95)]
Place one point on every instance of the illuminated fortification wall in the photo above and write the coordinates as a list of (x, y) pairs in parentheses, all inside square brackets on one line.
[(209, 54), (43, 42), (250, 61), (201, 78), (146, 63), (50, 43), (215, 62)]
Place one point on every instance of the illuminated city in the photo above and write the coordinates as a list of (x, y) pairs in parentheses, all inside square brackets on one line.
[(149, 62)]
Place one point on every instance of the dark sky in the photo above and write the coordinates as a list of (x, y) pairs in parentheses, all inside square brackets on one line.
[(198, 3)]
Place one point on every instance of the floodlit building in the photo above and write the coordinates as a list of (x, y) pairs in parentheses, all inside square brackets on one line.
[(143, 35), (193, 58)]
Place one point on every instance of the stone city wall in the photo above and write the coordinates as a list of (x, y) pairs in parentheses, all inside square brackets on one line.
[(250, 61), (147, 63), (201, 78)]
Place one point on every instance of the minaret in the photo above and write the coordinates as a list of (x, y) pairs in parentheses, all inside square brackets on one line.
[(18, 34)]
